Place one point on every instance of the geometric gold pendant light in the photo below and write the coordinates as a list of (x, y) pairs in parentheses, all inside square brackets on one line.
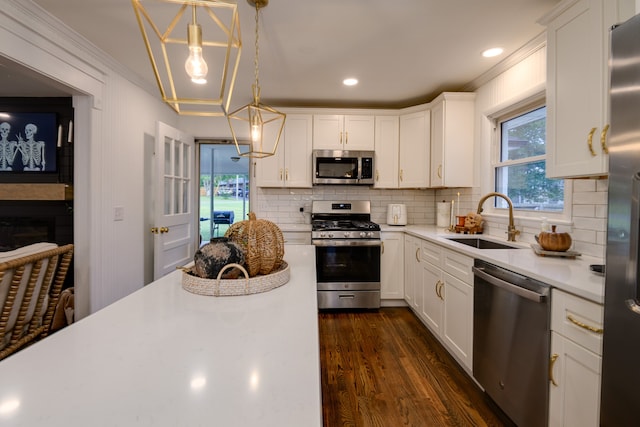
[(262, 123), (194, 47)]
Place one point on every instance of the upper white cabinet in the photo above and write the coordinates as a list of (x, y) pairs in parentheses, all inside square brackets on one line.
[(414, 150), (452, 140), (291, 165), (387, 139), (577, 84), (338, 132)]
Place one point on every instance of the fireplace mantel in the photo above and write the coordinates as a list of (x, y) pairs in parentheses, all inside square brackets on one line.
[(36, 192)]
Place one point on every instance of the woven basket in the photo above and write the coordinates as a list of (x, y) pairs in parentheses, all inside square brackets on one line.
[(229, 287)]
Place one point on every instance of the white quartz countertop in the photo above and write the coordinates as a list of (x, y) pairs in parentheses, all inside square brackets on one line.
[(165, 357), (568, 274)]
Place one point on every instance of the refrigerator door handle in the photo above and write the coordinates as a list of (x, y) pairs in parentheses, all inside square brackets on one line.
[(632, 303)]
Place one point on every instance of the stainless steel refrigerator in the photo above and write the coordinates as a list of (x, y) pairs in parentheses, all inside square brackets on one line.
[(620, 393)]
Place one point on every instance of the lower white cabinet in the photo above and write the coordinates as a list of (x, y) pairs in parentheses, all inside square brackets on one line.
[(576, 360), (457, 324), (391, 265), (411, 270), (443, 281)]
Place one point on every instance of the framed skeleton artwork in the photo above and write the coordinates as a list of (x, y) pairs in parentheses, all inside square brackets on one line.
[(28, 142)]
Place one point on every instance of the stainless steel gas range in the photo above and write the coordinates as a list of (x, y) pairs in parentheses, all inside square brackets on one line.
[(348, 249)]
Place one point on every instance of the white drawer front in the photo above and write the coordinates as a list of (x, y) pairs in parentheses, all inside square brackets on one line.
[(577, 319), (431, 252), (458, 265)]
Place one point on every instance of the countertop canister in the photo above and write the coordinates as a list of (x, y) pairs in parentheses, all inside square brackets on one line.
[(443, 214)]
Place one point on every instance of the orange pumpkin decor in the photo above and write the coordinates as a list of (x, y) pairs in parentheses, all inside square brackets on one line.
[(262, 242), (552, 241)]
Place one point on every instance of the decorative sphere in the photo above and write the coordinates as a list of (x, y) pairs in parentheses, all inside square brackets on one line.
[(213, 256)]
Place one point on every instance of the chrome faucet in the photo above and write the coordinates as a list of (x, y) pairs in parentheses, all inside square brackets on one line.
[(511, 230)]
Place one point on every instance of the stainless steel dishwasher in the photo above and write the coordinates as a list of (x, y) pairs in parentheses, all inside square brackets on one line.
[(511, 320)]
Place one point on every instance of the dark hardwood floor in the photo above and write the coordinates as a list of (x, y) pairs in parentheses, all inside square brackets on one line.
[(385, 369)]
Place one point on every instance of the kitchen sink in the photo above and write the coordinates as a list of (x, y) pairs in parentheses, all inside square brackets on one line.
[(483, 244)]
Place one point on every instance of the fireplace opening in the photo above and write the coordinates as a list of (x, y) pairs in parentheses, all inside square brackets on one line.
[(18, 232)]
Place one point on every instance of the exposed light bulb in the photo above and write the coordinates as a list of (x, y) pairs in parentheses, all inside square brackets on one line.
[(195, 65), (256, 132)]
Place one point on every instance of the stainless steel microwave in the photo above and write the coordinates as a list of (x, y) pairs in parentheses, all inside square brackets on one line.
[(342, 167)]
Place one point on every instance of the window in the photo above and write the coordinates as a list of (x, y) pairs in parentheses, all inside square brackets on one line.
[(521, 164)]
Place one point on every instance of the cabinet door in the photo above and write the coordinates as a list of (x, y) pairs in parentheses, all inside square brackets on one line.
[(457, 329), (574, 399), (327, 132), (437, 145), (452, 133), (577, 86), (411, 265), (391, 260), (414, 150), (432, 288), (387, 139), (359, 133), (298, 148), (269, 171)]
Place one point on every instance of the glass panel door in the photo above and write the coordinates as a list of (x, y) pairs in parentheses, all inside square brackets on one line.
[(224, 188)]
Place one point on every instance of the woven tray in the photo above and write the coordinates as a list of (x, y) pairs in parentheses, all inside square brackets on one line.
[(229, 287)]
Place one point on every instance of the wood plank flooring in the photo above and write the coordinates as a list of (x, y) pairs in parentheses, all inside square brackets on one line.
[(385, 369)]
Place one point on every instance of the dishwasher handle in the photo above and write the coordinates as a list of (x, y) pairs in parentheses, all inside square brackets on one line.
[(510, 287)]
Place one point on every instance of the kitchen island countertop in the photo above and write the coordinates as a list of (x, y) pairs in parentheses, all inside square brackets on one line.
[(165, 357)]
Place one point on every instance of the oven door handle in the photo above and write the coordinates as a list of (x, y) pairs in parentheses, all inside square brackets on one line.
[(347, 242)]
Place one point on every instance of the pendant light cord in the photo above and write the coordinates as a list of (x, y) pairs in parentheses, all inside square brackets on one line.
[(255, 59)]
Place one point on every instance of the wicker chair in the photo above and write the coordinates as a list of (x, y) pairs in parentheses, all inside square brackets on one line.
[(30, 286)]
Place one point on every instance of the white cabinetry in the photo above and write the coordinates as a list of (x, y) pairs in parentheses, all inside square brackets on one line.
[(391, 264), (452, 140), (577, 84), (412, 271), (576, 357), (444, 283), (414, 150), (432, 287), (387, 140), (457, 332), (337, 132), (291, 165)]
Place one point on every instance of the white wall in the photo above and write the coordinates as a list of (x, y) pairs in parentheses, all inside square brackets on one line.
[(113, 115), (588, 207)]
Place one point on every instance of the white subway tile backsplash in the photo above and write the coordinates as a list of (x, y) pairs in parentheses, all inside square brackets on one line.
[(589, 208), (584, 185)]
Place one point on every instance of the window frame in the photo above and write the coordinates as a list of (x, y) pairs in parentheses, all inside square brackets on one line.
[(496, 119)]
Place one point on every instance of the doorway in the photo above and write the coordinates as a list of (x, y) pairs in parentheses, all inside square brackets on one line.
[(223, 189)]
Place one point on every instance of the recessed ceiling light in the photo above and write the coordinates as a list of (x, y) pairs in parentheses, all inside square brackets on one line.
[(494, 51), (350, 81)]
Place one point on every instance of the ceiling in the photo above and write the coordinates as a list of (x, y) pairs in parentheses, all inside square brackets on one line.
[(403, 52)]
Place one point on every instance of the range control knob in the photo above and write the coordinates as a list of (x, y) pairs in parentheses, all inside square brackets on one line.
[(346, 234), (363, 234)]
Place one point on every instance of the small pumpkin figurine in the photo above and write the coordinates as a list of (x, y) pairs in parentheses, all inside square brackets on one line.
[(552, 241), (262, 242)]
